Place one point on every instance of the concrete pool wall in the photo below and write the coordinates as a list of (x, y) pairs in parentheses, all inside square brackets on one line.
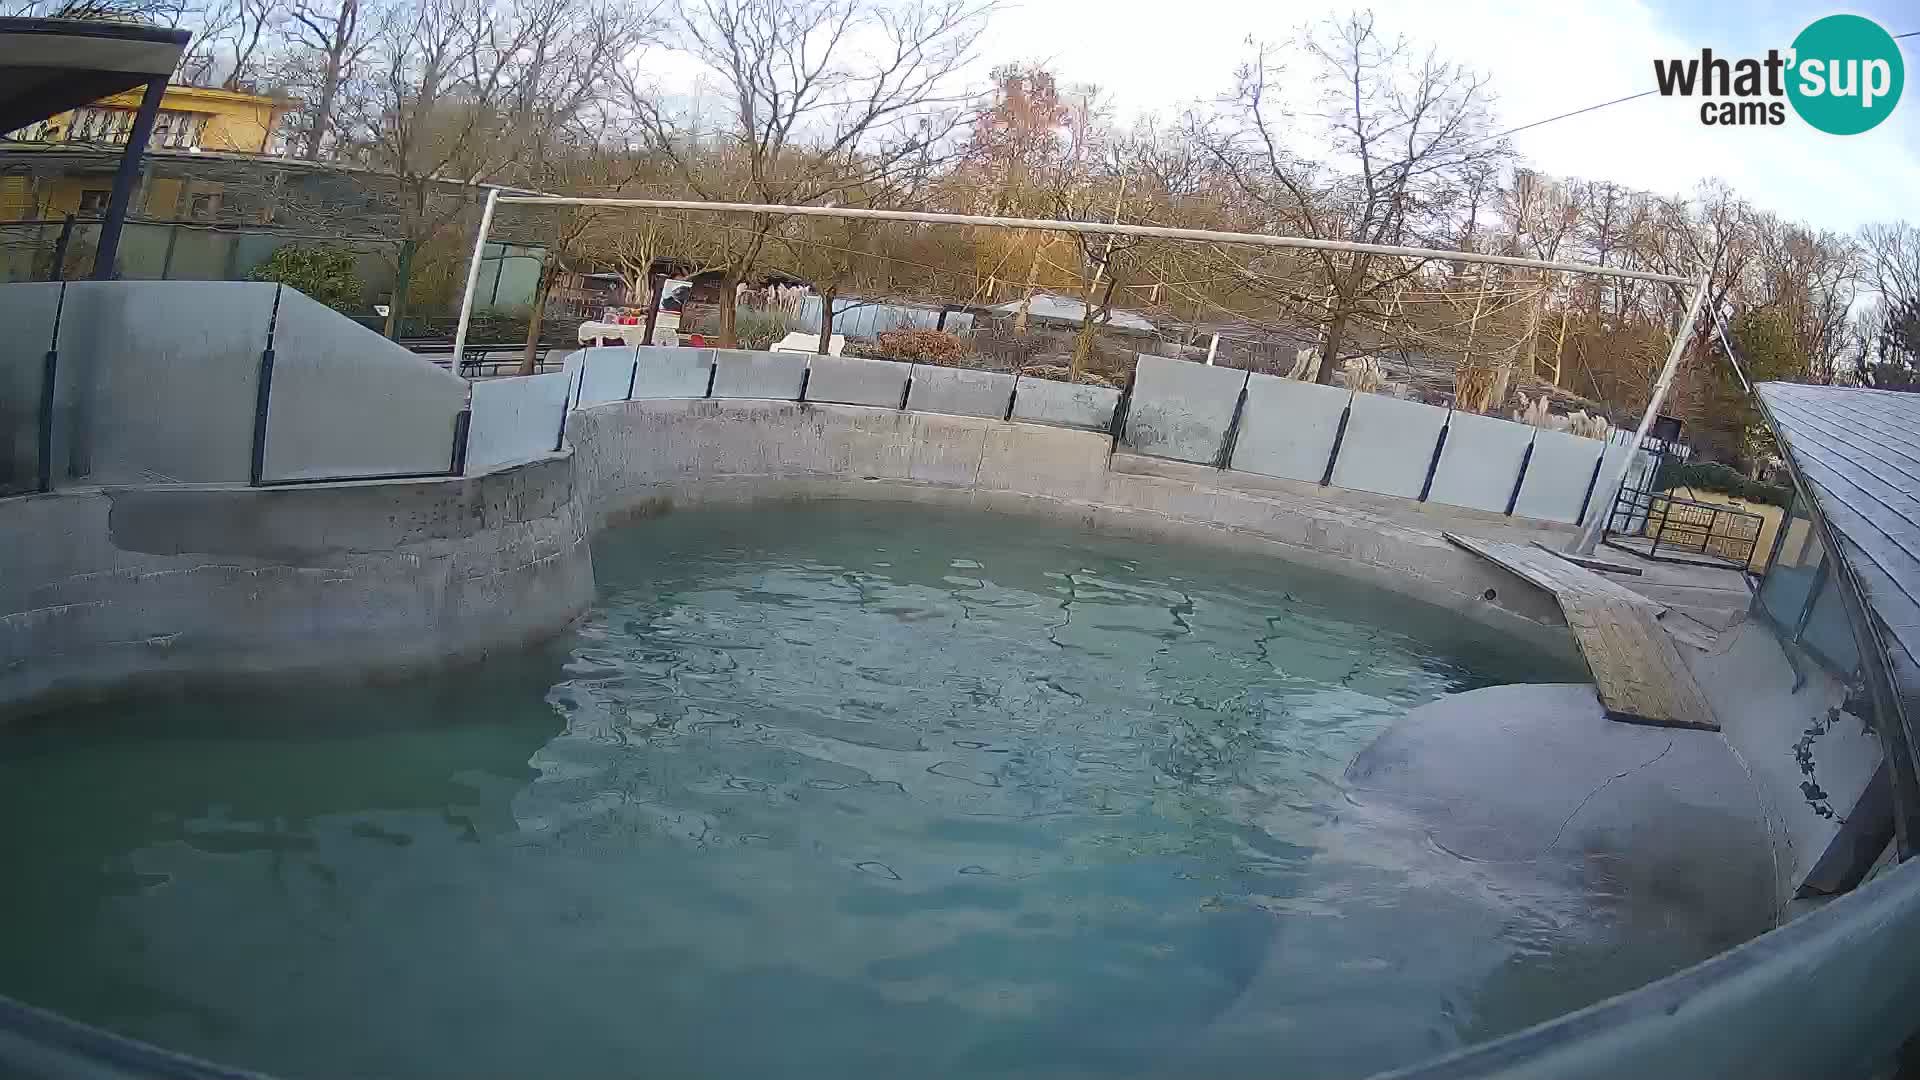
[(642, 457), (113, 589), (110, 588)]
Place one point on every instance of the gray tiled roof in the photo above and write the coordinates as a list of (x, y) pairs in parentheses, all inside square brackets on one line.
[(1860, 452)]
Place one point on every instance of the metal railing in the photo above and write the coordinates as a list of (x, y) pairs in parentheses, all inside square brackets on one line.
[(1662, 526)]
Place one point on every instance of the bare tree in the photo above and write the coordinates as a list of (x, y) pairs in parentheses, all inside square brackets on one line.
[(825, 96), (161, 12), (1893, 261), (1401, 129), (231, 43), (331, 36)]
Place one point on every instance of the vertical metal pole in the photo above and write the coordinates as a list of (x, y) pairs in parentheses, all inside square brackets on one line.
[(473, 278), (1590, 533), (108, 252), (1213, 346), (60, 250), (656, 284)]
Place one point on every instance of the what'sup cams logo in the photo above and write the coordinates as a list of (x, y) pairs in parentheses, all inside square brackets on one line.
[(1843, 75)]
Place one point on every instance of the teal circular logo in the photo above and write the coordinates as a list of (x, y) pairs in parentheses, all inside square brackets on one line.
[(1847, 74)]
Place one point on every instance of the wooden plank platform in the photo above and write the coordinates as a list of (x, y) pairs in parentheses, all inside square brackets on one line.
[(1601, 565), (1636, 667)]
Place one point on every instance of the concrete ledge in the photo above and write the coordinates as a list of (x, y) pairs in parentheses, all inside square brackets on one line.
[(110, 589)]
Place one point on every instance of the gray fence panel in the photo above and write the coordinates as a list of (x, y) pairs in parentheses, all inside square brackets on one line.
[(1044, 401), (347, 402), (774, 376), (1388, 445), (1480, 462), (1180, 409), (515, 419), (1288, 427), (27, 312), (158, 380), (1557, 476), (607, 371), (858, 318), (851, 380), (960, 391), (671, 373), (1602, 500)]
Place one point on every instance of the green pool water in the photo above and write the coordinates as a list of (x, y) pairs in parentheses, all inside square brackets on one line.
[(814, 791)]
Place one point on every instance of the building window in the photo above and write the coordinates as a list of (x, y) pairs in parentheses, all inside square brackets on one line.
[(97, 125), (93, 201), (171, 130), (178, 130)]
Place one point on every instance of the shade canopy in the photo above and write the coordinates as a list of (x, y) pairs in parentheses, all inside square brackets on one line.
[(48, 66)]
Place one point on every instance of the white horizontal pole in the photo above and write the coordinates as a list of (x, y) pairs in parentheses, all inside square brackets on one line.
[(1159, 232)]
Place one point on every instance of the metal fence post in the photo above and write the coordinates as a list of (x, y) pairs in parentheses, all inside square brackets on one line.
[(59, 272), (1339, 436), (1433, 464), (1520, 478), (462, 425), (263, 399)]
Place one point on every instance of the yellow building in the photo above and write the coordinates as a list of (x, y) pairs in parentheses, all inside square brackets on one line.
[(191, 119)]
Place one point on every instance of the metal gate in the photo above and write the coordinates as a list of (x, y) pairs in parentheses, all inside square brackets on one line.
[(1658, 525)]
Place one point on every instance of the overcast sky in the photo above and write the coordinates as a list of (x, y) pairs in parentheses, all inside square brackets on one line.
[(1545, 57)]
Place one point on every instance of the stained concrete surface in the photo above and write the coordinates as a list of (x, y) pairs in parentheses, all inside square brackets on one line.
[(1522, 839), (1182, 410), (1809, 757), (112, 590), (1534, 778)]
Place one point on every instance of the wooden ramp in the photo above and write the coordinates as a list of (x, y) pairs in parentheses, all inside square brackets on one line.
[(1636, 667)]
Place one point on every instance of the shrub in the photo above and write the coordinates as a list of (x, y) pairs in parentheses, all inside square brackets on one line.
[(753, 328), (923, 346), (1713, 476), (326, 274)]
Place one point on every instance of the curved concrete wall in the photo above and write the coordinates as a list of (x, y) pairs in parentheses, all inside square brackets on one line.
[(641, 457), (114, 588), (105, 588)]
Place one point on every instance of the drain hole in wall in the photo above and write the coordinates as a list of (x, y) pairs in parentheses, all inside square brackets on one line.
[(1488, 595)]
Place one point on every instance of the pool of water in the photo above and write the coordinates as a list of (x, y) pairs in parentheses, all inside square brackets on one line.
[(814, 791)]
